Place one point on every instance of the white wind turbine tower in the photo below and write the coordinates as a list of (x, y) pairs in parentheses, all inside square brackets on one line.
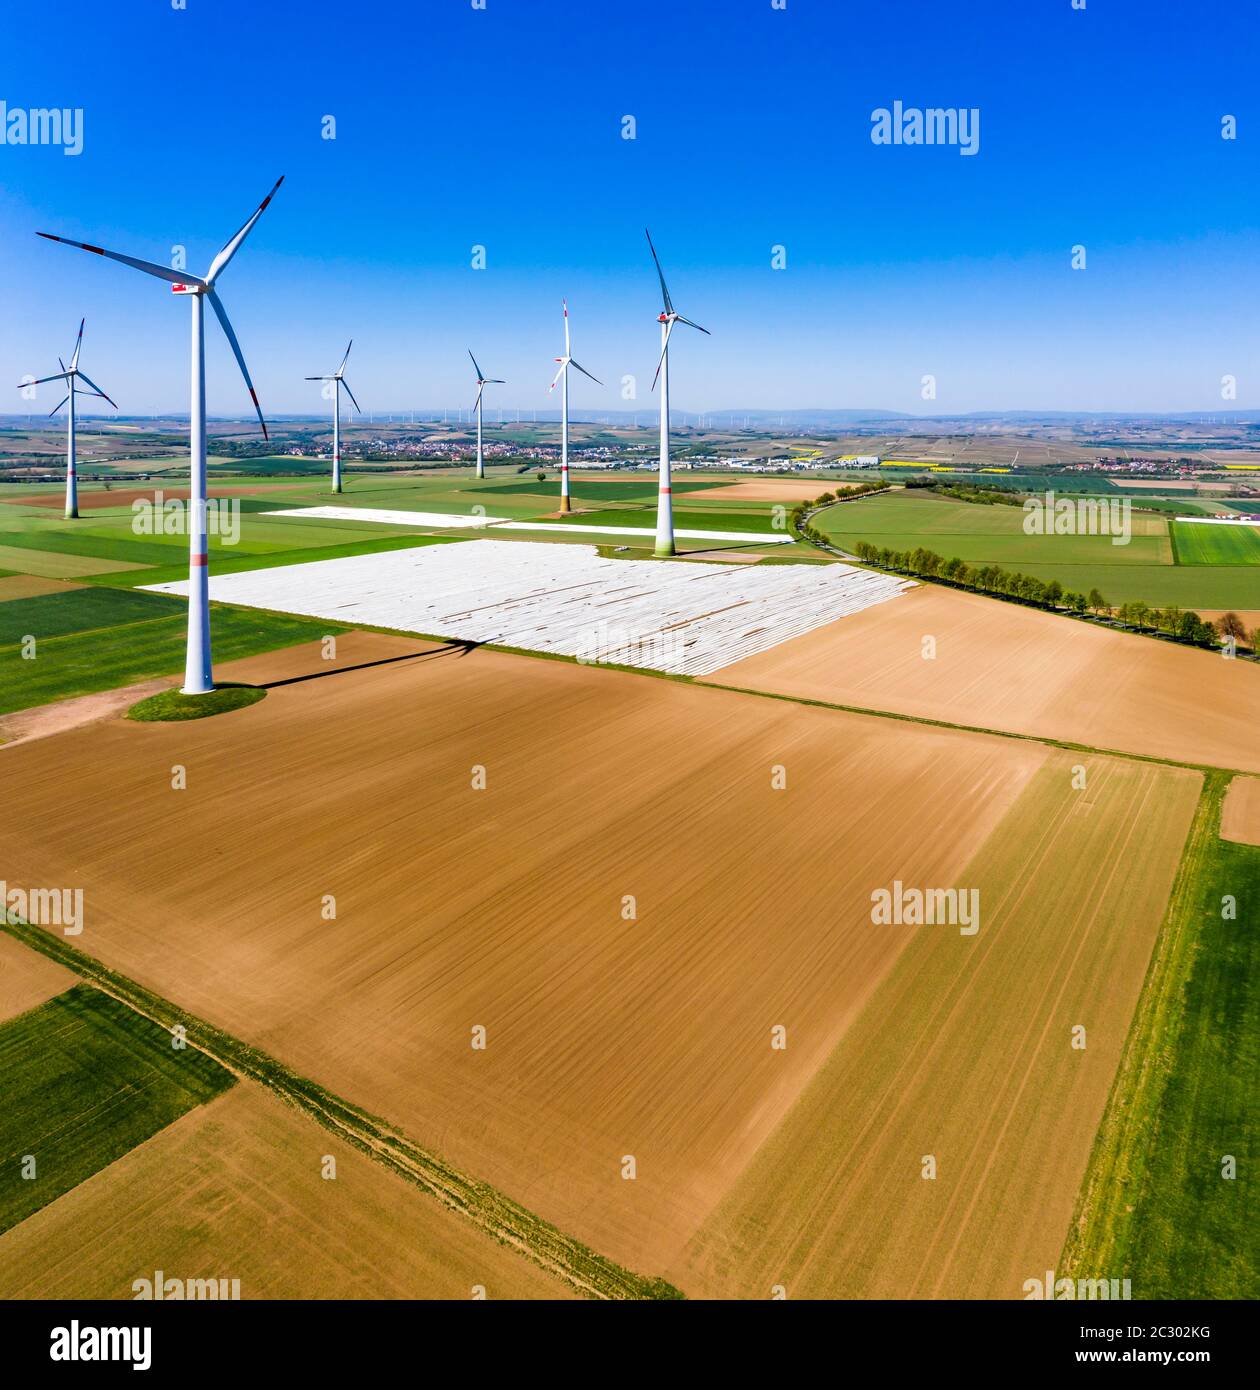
[(338, 380), (69, 375), (664, 502), (482, 383), (562, 376), (198, 673)]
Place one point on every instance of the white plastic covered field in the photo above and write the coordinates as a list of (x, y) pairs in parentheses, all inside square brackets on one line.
[(426, 521), (666, 615)]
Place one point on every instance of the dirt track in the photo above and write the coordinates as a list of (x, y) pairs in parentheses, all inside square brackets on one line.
[(1002, 666), (502, 908)]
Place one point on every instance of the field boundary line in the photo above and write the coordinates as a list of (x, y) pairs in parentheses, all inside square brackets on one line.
[(493, 1212)]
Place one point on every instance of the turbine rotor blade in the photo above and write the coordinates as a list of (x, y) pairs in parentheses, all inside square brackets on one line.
[(477, 403), (342, 368), (219, 310), (220, 262), (669, 308), (558, 375), (476, 368), (689, 324), (584, 372), (176, 277), (565, 303), (51, 413), (78, 343), (57, 376), (664, 349), (349, 392), (97, 389)]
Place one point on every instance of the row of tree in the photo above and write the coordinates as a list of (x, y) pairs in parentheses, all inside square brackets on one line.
[(970, 492), (1180, 624)]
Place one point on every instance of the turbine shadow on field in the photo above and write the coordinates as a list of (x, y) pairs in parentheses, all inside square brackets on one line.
[(453, 648)]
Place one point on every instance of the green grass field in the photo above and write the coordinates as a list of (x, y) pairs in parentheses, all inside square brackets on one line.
[(106, 658), (79, 610), (1199, 543), (85, 1079), (1144, 569), (1155, 1206)]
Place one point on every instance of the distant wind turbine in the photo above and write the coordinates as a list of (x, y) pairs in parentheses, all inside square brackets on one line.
[(338, 380), (198, 671), (664, 503), (69, 375), (562, 376), (482, 383)]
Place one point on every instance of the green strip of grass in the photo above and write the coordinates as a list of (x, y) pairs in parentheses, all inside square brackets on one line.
[(79, 610), (111, 657), (1154, 1206), (85, 1079), (492, 1211), (224, 564)]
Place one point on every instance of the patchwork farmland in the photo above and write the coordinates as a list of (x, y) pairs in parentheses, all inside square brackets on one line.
[(595, 948)]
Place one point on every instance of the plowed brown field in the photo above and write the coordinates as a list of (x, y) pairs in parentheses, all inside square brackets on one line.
[(965, 1054), (234, 1190), (1240, 815), (1001, 666), (27, 979), (506, 908)]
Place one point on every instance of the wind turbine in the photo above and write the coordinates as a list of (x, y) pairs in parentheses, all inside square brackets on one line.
[(482, 383), (338, 381), (667, 318), (198, 673), (68, 375), (562, 376)]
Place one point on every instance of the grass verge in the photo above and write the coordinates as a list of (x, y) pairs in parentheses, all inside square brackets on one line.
[(171, 705)]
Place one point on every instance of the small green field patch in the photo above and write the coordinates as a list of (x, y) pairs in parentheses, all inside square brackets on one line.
[(85, 1079)]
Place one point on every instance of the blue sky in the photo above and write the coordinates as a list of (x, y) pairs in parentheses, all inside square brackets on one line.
[(502, 127)]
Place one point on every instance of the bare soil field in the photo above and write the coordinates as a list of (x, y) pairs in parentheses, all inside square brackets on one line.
[(234, 1189), (1001, 666), (27, 979), (773, 490), (31, 586), (965, 1054), (1240, 815), (1250, 616), (125, 496), (628, 907)]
